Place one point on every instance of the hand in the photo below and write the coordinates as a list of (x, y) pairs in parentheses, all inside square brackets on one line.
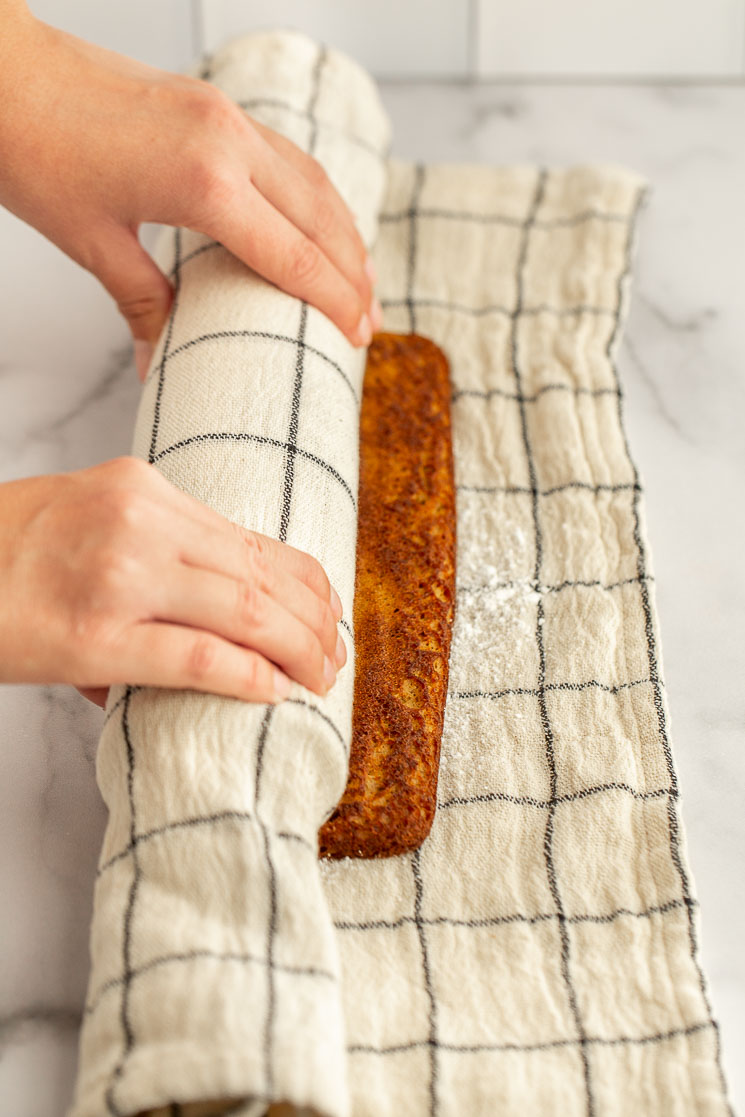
[(92, 144), (113, 575)]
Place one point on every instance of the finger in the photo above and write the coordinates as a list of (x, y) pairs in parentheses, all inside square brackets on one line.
[(307, 165), (308, 608), (209, 540), (142, 292), (267, 578), (296, 597), (298, 186), (275, 248), (282, 557), (206, 539), (240, 611), (299, 564), (170, 655)]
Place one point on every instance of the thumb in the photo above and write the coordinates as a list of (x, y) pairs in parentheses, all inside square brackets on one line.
[(142, 292)]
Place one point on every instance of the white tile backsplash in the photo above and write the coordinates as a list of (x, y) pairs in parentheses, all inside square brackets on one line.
[(439, 38), (607, 38), (158, 32), (391, 37)]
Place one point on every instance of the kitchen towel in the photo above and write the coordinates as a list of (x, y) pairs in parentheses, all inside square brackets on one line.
[(539, 952), (214, 964)]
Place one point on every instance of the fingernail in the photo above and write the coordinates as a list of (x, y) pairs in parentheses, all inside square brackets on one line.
[(341, 653), (143, 356), (282, 685), (335, 603), (372, 273), (329, 674), (376, 315), (364, 331)]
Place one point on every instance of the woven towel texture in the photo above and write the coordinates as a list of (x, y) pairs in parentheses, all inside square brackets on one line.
[(214, 960), (538, 954)]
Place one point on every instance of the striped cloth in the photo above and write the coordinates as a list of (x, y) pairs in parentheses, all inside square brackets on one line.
[(539, 952)]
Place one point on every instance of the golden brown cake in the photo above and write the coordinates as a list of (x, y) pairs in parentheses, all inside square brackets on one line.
[(403, 603)]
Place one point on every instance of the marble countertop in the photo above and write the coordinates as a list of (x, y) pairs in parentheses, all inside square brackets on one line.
[(69, 394)]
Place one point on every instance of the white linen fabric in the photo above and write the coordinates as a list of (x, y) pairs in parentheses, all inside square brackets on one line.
[(212, 945), (539, 952)]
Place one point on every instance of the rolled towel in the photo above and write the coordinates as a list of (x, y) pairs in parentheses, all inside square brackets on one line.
[(214, 967)]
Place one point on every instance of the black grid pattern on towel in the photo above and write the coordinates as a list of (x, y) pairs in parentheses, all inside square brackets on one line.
[(548, 733), (297, 343), (282, 106), (291, 450), (657, 683), (405, 309)]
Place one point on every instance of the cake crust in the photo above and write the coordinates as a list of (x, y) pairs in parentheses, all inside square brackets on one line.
[(403, 604)]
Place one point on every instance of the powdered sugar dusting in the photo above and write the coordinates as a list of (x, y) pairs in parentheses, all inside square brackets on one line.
[(494, 630), (496, 598)]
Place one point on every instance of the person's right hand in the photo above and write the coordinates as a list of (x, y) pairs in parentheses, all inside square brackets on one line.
[(113, 575), (92, 144)]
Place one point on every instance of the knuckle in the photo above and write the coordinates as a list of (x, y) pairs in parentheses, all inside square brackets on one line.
[(316, 174), (126, 510), (322, 621), (201, 658), (315, 576), (250, 604), (211, 181), (114, 569), (263, 574), (129, 472), (257, 554), (123, 503), (252, 674), (88, 633), (324, 219), (241, 534), (256, 545), (304, 263), (93, 644), (210, 108), (101, 605), (310, 652)]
